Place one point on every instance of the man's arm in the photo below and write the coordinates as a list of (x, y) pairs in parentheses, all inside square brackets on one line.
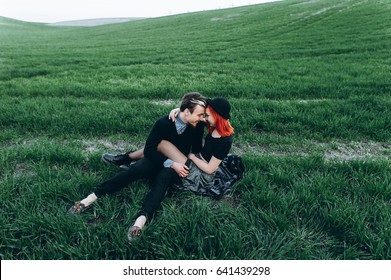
[(155, 137)]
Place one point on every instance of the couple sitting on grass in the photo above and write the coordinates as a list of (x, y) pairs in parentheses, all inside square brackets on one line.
[(206, 170)]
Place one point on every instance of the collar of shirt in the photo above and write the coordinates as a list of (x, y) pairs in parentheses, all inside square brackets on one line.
[(180, 125)]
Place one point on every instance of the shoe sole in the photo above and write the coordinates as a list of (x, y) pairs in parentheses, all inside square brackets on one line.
[(71, 211), (133, 237)]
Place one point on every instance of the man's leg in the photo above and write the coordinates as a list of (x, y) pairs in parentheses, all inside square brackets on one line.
[(152, 202), (143, 168), (163, 180)]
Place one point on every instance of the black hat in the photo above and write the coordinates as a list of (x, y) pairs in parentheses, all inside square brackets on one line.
[(221, 106)]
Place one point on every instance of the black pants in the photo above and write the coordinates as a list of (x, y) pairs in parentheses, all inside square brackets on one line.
[(163, 180), (144, 168)]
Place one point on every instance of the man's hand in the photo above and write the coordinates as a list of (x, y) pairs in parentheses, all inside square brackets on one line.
[(181, 169)]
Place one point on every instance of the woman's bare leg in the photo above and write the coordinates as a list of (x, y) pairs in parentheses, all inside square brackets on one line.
[(172, 152), (166, 148), (137, 154)]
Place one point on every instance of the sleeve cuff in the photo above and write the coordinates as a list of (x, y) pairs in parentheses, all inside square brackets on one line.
[(168, 163)]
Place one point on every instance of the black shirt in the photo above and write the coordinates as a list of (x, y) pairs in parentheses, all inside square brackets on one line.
[(217, 147), (164, 129)]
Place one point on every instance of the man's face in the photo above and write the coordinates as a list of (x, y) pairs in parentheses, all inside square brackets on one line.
[(194, 118)]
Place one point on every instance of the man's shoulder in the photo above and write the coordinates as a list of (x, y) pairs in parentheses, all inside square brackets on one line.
[(164, 121)]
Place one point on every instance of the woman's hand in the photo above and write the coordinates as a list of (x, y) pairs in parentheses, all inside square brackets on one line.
[(173, 114)]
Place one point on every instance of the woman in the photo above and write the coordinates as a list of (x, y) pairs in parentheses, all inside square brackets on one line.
[(202, 167)]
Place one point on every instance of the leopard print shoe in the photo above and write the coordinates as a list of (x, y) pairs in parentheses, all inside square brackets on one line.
[(77, 209)]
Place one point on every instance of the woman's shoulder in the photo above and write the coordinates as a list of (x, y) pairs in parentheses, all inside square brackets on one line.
[(221, 140), (229, 138)]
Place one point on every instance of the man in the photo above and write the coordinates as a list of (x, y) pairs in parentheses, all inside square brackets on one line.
[(186, 134)]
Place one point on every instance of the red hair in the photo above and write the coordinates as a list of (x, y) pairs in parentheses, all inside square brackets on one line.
[(222, 125)]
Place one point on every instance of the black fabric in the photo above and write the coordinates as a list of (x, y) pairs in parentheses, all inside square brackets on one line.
[(142, 169), (221, 106), (217, 147), (164, 129), (230, 171), (218, 184), (165, 179)]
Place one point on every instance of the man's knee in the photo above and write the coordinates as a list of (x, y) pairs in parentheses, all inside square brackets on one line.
[(166, 177), (143, 168)]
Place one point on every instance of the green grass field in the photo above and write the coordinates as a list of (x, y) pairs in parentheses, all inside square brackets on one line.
[(309, 83)]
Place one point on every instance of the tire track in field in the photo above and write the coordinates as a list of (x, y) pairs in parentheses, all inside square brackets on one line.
[(330, 151)]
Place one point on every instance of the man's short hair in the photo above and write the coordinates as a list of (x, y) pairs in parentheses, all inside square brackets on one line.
[(191, 100)]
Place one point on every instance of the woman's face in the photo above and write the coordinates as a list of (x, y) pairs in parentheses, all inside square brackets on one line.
[(209, 118)]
